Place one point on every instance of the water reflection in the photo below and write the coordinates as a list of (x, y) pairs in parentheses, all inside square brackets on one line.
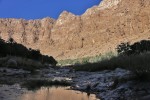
[(57, 93)]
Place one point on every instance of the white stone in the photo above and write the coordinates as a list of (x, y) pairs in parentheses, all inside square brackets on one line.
[(108, 3)]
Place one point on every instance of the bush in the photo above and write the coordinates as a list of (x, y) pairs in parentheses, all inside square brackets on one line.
[(136, 48), (22, 63), (12, 48), (87, 60), (140, 64)]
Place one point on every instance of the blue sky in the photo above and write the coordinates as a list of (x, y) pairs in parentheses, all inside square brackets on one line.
[(35, 9)]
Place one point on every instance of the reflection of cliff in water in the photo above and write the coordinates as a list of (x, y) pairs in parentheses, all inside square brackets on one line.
[(60, 93)]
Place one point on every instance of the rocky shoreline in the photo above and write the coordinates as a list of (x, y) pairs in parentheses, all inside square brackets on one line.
[(118, 84)]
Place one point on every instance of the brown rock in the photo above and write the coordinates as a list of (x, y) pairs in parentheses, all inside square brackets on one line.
[(99, 30)]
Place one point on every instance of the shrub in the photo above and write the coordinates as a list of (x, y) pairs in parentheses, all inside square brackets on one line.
[(87, 60), (139, 64), (136, 48), (12, 48)]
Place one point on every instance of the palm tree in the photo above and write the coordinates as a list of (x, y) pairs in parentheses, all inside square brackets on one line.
[(11, 40)]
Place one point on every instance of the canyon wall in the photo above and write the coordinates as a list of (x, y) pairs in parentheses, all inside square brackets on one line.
[(99, 30)]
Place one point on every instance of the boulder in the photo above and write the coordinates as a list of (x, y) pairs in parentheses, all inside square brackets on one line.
[(11, 63)]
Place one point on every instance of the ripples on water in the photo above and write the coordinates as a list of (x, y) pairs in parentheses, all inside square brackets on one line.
[(56, 93)]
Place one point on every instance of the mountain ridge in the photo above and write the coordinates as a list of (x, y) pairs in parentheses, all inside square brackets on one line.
[(99, 30)]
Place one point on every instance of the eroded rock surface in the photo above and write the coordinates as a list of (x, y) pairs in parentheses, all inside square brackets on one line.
[(118, 84), (99, 30)]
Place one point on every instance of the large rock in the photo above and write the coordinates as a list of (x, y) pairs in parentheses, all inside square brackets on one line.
[(99, 30), (11, 63)]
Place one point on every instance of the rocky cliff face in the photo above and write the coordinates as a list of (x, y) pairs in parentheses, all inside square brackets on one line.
[(99, 30)]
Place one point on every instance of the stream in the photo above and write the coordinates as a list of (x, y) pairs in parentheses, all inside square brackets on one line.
[(56, 93), (118, 84)]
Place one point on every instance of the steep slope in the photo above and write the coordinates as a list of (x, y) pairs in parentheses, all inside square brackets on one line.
[(99, 30)]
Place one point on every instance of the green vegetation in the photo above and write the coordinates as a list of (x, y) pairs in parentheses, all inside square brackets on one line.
[(136, 48), (11, 48), (136, 63), (22, 63), (86, 60), (135, 57), (15, 55)]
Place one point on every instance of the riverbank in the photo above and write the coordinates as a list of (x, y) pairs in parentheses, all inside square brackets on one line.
[(118, 84)]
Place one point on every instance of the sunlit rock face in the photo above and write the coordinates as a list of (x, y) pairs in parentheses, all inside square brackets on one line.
[(99, 30), (108, 3), (31, 33)]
